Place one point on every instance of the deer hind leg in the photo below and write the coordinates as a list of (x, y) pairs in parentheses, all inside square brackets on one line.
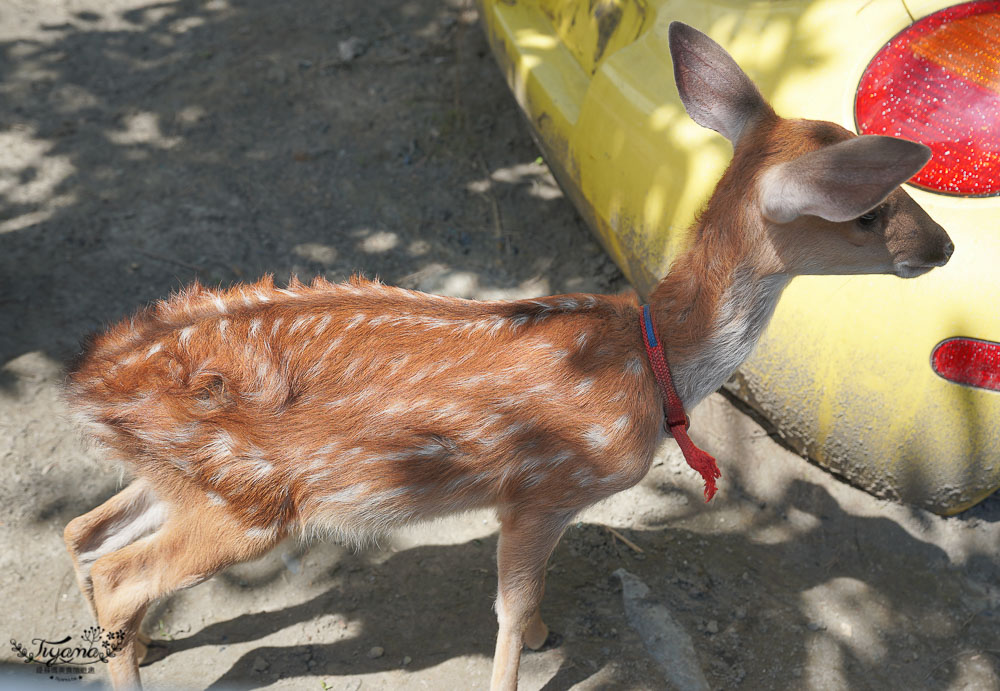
[(121, 520), (536, 631), (527, 538), (196, 540)]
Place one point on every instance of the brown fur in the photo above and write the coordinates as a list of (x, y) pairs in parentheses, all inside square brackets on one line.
[(253, 390)]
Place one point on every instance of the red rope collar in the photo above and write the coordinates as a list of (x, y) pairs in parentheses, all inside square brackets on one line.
[(676, 422)]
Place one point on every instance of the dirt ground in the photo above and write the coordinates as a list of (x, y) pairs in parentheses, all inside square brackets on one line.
[(145, 144)]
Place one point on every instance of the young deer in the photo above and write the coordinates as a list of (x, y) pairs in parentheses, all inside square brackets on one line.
[(250, 414)]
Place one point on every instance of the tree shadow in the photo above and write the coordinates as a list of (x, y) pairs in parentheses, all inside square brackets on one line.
[(190, 140), (185, 140)]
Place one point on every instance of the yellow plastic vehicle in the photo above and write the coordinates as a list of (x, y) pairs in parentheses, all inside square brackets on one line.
[(892, 384)]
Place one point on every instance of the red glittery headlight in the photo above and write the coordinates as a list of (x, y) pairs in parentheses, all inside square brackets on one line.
[(938, 82), (968, 361)]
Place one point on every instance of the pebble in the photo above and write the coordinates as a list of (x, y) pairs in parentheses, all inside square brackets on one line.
[(740, 613), (407, 659), (712, 626), (377, 651), (260, 664), (350, 48)]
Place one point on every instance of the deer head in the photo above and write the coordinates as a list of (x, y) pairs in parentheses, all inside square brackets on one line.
[(810, 196)]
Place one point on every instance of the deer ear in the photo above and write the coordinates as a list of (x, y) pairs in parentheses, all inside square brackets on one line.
[(716, 93), (841, 181)]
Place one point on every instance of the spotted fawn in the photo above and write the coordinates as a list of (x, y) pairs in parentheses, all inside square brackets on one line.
[(250, 414)]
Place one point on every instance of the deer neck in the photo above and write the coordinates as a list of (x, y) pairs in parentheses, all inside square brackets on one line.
[(711, 309)]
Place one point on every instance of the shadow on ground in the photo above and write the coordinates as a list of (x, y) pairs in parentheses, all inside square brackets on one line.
[(833, 606), (153, 145)]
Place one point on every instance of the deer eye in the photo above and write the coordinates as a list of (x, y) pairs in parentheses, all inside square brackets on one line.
[(869, 218)]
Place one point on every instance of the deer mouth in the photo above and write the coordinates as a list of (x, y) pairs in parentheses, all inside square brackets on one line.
[(910, 268), (907, 269)]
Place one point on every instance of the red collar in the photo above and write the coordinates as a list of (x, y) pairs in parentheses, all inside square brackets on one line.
[(675, 421)]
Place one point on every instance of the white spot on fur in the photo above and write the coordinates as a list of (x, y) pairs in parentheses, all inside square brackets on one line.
[(596, 437), (561, 456), (263, 533), (395, 408), (185, 336), (620, 424), (420, 374), (298, 324), (534, 478), (516, 428), (260, 468), (215, 499), (352, 367), (617, 478), (353, 452), (346, 495), (396, 363), (254, 326), (154, 349), (583, 476), (221, 445), (333, 346), (498, 323), (583, 386), (219, 474), (323, 323), (463, 482), (474, 380), (633, 365)]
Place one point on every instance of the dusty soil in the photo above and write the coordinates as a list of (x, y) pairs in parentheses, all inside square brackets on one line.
[(143, 145)]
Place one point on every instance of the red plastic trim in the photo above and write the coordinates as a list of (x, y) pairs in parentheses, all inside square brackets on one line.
[(968, 361)]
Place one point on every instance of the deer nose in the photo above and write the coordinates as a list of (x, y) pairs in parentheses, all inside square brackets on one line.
[(949, 249)]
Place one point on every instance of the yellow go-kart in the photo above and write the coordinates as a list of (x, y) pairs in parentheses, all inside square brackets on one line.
[(894, 385)]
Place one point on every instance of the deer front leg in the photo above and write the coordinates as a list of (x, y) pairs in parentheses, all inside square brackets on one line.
[(527, 538)]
